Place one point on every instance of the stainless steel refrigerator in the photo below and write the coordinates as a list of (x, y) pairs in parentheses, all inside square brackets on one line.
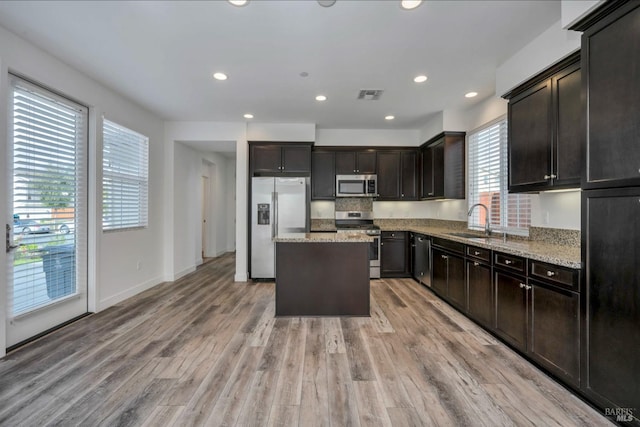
[(278, 205)]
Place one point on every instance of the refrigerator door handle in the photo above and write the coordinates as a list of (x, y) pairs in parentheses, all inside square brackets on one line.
[(272, 213), (275, 213)]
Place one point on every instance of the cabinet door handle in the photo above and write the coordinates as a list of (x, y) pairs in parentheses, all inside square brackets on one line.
[(508, 261), (444, 256), (553, 176), (527, 288), (429, 194), (547, 177), (476, 253), (402, 195), (522, 285), (551, 273), (476, 264)]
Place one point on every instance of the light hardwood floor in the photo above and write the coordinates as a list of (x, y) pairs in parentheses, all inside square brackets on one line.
[(207, 351)]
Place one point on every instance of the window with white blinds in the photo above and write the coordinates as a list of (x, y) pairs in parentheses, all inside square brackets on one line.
[(48, 135), (488, 182), (125, 180)]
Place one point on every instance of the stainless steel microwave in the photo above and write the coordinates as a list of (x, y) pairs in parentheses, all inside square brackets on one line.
[(356, 185)]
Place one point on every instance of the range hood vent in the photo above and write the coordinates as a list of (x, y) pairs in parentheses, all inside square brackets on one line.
[(370, 94)]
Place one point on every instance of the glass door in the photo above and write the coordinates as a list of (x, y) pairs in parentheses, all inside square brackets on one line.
[(47, 271)]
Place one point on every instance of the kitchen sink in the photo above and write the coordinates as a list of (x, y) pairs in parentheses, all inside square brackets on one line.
[(467, 235)]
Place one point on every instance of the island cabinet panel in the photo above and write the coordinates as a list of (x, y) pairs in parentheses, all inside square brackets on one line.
[(337, 286), (323, 175), (611, 54)]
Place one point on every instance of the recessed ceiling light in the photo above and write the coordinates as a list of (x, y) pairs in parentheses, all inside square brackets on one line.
[(220, 76), (389, 117), (239, 3), (248, 116), (410, 4), (326, 3), (321, 98), (470, 94), (420, 79)]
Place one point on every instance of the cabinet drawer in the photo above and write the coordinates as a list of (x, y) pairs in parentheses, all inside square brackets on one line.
[(479, 253), (562, 276), (449, 244), (510, 262), (393, 234)]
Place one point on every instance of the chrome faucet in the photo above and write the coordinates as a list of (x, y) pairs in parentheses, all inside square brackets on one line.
[(487, 223)]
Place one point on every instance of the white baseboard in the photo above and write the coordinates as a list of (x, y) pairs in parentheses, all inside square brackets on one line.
[(184, 272), (240, 277), (121, 296), (199, 261)]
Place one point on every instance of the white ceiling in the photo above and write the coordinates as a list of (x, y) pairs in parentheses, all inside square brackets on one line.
[(162, 54)]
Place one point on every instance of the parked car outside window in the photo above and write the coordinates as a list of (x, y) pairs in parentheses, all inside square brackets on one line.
[(29, 226)]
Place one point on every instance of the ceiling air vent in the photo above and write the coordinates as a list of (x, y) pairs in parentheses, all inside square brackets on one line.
[(370, 94)]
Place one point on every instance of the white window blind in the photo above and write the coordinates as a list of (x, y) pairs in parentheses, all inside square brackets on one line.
[(125, 180), (488, 183), (48, 135)]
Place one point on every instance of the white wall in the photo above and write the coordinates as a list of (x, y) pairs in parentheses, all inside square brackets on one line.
[(552, 45), (573, 10), (176, 158), (112, 256), (299, 132), (364, 137)]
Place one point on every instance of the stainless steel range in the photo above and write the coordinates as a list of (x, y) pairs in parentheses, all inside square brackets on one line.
[(362, 222)]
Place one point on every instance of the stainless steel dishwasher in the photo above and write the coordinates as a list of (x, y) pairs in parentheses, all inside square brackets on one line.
[(422, 259)]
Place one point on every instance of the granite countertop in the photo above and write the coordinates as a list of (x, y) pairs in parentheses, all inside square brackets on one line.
[(316, 237), (567, 256), (553, 253)]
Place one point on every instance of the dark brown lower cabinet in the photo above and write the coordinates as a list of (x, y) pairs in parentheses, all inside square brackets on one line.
[(554, 337), (448, 278), (480, 293), (394, 256), (456, 281), (511, 309), (439, 272)]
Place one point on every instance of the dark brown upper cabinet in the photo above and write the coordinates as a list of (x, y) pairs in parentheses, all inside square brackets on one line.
[(271, 158), (355, 162), (546, 129), (611, 84), (397, 175), (443, 167), (323, 175)]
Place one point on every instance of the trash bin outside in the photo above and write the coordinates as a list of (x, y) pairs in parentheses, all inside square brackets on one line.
[(59, 265)]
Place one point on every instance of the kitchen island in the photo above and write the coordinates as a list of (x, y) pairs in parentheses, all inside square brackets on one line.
[(322, 274)]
